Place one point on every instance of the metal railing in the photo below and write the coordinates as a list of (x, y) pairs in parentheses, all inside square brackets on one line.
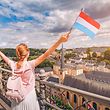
[(44, 91), (88, 95)]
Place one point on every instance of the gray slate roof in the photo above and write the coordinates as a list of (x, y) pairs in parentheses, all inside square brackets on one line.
[(85, 84), (99, 76), (53, 79)]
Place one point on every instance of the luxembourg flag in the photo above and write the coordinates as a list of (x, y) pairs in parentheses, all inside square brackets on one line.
[(86, 24)]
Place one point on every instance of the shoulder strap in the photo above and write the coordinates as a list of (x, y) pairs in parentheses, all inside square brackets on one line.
[(13, 69), (26, 63)]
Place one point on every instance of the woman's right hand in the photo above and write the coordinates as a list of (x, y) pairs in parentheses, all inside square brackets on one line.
[(65, 37)]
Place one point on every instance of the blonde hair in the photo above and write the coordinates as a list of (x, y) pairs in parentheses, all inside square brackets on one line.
[(22, 51)]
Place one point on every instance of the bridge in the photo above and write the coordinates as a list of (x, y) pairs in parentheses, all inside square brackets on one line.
[(44, 90)]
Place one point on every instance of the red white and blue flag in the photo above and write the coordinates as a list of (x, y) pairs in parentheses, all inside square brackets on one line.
[(86, 24)]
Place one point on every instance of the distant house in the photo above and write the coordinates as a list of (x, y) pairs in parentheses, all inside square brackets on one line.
[(83, 55), (69, 69), (101, 66), (90, 66), (73, 69), (76, 60)]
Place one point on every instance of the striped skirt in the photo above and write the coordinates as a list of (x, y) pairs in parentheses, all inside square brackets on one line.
[(29, 103)]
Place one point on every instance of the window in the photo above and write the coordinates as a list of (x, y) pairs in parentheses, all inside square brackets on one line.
[(75, 98), (60, 73), (107, 108), (68, 96), (83, 100), (95, 105)]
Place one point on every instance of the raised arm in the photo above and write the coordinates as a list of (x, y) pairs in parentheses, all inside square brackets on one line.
[(4, 57), (41, 58)]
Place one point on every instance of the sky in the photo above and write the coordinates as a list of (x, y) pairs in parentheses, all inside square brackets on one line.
[(40, 23)]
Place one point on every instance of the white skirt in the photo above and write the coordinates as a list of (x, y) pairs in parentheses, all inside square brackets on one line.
[(29, 103)]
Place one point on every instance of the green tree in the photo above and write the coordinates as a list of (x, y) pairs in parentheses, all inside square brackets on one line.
[(107, 54), (46, 63), (94, 54), (9, 52), (88, 53), (69, 55)]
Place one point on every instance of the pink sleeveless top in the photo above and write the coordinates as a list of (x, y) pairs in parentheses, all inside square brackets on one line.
[(26, 72)]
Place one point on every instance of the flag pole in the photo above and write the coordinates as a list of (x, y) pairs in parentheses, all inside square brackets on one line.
[(82, 9), (72, 25)]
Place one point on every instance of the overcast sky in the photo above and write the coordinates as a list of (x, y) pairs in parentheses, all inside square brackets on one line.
[(39, 23)]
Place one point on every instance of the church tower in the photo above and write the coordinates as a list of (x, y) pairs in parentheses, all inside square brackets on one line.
[(62, 66)]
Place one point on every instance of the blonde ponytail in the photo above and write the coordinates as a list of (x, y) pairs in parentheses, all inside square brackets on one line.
[(21, 51)]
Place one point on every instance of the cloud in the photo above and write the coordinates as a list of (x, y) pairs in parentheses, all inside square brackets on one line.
[(99, 9), (3, 44), (39, 23), (58, 21)]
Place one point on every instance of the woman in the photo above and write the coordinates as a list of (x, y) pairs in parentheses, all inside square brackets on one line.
[(25, 70)]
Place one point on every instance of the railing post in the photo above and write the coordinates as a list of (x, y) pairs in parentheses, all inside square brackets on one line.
[(42, 94), (50, 96)]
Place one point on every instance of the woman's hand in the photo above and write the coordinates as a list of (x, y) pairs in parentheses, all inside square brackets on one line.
[(65, 37)]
